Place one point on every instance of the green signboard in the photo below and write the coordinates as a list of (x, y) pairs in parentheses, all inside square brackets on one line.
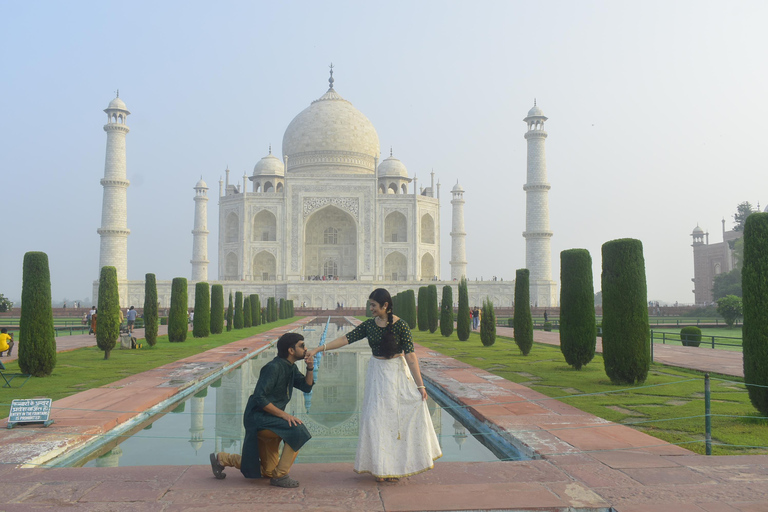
[(31, 410)]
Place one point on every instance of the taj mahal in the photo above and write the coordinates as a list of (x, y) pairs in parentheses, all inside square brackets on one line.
[(330, 220)]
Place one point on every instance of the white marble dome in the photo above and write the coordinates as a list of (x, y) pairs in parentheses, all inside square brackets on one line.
[(392, 168), (201, 184), (457, 188), (270, 165), (330, 124), (535, 112), (117, 103), (697, 230)]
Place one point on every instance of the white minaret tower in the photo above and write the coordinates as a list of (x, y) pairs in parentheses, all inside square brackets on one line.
[(200, 233), (114, 206), (538, 254), (458, 235)]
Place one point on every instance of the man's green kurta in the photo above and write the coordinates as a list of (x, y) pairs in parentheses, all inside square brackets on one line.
[(275, 386)]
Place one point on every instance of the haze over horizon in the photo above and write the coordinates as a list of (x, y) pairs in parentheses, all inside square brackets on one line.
[(656, 119)]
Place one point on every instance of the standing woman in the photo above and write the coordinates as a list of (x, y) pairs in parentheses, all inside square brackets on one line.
[(397, 438)]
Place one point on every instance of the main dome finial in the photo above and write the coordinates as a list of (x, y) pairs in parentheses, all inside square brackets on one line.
[(330, 80)]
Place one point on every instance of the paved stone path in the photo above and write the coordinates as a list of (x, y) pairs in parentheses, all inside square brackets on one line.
[(583, 462)]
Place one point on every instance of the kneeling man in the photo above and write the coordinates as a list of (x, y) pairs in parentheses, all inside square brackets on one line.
[(265, 419)]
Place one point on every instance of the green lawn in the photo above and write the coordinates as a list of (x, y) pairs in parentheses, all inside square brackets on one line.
[(86, 368), (672, 409)]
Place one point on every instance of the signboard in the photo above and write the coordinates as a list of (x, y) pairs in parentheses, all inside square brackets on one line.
[(32, 410)]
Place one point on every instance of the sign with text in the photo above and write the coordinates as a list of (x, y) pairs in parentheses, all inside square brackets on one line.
[(30, 410)]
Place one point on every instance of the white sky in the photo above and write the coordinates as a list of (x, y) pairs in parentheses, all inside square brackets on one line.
[(656, 118)]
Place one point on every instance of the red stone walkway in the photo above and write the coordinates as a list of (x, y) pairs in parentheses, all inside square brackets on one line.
[(583, 462)]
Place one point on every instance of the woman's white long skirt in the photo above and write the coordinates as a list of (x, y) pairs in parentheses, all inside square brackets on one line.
[(397, 438)]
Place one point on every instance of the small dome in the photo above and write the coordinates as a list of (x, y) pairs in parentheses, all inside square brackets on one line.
[(392, 168), (535, 111), (201, 184), (270, 165), (457, 188), (697, 230), (118, 104)]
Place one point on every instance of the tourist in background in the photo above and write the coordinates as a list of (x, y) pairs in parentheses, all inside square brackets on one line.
[(397, 438), (6, 342), (131, 319)]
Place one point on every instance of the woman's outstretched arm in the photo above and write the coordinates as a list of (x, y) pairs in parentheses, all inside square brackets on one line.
[(337, 343)]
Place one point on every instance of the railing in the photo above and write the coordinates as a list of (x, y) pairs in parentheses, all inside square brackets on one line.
[(693, 338)]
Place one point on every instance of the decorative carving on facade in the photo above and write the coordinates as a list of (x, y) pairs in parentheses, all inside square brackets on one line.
[(348, 204)]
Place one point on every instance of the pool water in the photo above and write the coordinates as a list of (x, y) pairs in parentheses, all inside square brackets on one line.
[(211, 420)]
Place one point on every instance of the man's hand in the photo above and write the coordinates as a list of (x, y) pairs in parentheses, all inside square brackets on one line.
[(310, 361), (292, 420)]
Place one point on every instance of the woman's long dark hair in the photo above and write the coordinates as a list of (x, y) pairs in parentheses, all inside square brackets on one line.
[(389, 345)]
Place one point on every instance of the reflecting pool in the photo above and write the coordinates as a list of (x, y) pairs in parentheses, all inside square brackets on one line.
[(211, 420)]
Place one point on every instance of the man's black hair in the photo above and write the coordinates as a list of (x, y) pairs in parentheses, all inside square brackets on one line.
[(287, 341)]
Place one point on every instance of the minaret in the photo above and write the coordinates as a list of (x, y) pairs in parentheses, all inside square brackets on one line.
[(458, 235), (200, 233), (538, 254), (114, 206)]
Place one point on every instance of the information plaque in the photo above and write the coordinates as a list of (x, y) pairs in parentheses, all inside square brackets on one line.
[(31, 410)]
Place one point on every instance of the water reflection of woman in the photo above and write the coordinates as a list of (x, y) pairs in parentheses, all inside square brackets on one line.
[(397, 438)]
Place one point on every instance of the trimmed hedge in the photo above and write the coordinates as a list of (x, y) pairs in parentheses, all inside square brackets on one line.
[(523, 321), (578, 332), (446, 312), (423, 309), (247, 322), (178, 316), (690, 336), (462, 320), (201, 322), (488, 324), (432, 312), (255, 309), (150, 309), (217, 309), (626, 331), (230, 313), (755, 330), (108, 311), (37, 338), (239, 322)]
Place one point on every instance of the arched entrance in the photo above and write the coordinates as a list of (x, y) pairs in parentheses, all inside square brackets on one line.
[(330, 243), (264, 267)]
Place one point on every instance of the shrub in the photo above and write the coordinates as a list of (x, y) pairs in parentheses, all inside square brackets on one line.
[(446, 312), (599, 328), (423, 309), (255, 309), (201, 323), (247, 311), (755, 331), (238, 310), (462, 318), (178, 318), (150, 309), (230, 313), (163, 320), (730, 308), (37, 338), (577, 308), (690, 336), (108, 311), (626, 332), (523, 322), (488, 324), (432, 311), (217, 309), (548, 326)]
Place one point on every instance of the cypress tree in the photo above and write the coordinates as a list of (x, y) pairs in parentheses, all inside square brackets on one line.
[(255, 314), (291, 311), (247, 311), (108, 311), (410, 308), (271, 309), (462, 320), (755, 330), (37, 338), (396, 306), (488, 324), (523, 322), (201, 323), (150, 309), (217, 309), (238, 310), (423, 309), (578, 330), (433, 312), (446, 312), (282, 309), (626, 331), (230, 313), (178, 317)]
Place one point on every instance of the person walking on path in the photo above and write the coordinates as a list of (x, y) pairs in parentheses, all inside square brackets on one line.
[(93, 321), (131, 319), (397, 438), (90, 321), (267, 423)]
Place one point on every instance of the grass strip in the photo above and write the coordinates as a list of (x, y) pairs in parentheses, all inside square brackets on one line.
[(85, 368)]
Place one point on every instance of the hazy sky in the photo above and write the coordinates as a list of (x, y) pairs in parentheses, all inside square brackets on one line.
[(657, 118)]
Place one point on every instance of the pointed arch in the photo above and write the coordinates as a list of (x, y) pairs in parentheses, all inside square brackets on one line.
[(396, 266), (231, 266), (232, 228), (427, 267), (395, 228), (330, 233), (264, 266), (427, 229), (264, 226)]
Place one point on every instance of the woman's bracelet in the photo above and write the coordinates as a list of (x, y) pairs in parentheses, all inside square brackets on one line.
[(421, 387)]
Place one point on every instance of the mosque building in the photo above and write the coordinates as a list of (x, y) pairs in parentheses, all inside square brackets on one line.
[(329, 221)]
